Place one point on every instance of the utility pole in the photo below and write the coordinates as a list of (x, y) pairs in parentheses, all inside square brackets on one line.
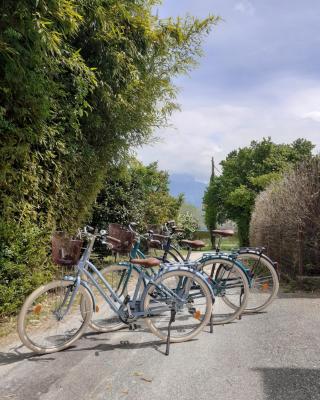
[(213, 224)]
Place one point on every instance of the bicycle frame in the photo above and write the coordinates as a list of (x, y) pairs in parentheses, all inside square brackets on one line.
[(168, 246), (196, 265), (87, 268)]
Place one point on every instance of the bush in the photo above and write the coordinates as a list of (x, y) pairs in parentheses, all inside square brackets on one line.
[(189, 224), (286, 219), (24, 262)]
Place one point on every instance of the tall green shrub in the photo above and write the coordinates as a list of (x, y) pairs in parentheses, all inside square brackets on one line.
[(81, 81)]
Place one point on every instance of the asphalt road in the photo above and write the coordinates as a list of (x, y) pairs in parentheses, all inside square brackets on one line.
[(270, 356)]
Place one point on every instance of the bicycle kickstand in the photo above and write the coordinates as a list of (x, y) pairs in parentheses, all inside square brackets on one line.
[(172, 319), (241, 294), (211, 323)]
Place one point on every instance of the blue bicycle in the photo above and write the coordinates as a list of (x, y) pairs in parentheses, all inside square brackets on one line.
[(174, 303), (230, 286)]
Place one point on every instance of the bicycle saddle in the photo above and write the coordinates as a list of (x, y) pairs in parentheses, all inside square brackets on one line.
[(146, 262), (223, 232), (194, 244)]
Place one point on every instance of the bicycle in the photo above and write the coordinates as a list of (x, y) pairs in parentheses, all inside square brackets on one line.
[(261, 271), (55, 315), (230, 288)]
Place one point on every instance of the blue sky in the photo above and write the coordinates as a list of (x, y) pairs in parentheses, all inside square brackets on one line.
[(259, 76)]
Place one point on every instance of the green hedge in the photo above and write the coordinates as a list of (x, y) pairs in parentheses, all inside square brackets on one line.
[(81, 82)]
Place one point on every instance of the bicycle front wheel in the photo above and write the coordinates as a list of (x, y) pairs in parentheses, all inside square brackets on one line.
[(51, 320), (184, 293)]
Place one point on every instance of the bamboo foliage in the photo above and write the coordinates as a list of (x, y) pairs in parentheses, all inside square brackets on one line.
[(81, 82)]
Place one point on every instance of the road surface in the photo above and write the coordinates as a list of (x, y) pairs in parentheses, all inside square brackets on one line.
[(268, 356)]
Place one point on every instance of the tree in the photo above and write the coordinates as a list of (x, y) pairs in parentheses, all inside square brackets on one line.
[(247, 171), (196, 212), (138, 193), (210, 202), (81, 82), (189, 224)]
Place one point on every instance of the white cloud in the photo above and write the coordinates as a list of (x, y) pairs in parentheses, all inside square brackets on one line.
[(314, 115), (201, 132)]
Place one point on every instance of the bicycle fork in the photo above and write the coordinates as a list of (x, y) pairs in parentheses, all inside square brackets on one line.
[(73, 290)]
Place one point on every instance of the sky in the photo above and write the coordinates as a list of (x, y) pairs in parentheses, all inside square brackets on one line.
[(259, 77)]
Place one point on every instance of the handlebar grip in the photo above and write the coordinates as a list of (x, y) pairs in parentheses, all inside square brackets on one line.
[(112, 239), (90, 229)]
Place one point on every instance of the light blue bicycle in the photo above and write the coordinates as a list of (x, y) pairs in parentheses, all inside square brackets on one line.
[(230, 286), (174, 303)]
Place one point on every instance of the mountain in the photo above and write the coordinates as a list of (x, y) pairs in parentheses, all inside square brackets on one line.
[(193, 190)]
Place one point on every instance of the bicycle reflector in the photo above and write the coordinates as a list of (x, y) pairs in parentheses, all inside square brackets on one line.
[(197, 314), (37, 309)]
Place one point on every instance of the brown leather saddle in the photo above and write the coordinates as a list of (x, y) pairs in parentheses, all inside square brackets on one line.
[(146, 262), (193, 244), (223, 232)]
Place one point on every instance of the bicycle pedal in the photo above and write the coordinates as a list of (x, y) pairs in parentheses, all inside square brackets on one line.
[(133, 327)]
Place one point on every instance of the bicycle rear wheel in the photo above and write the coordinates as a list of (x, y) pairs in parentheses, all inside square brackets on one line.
[(51, 320), (264, 281), (192, 308), (231, 289)]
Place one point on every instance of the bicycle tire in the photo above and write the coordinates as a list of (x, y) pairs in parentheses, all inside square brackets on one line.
[(175, 275), (265, 285), (235, 301), (44, 308)]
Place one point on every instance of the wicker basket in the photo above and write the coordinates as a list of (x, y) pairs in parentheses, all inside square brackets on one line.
[(65, 251), (124, 235)]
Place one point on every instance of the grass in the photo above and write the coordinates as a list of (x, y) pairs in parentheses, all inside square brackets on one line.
[(306, 285), (227, 244), (7, 326)]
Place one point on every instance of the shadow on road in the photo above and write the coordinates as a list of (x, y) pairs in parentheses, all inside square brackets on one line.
[(157, 345), (291, 383), (14, 356)]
